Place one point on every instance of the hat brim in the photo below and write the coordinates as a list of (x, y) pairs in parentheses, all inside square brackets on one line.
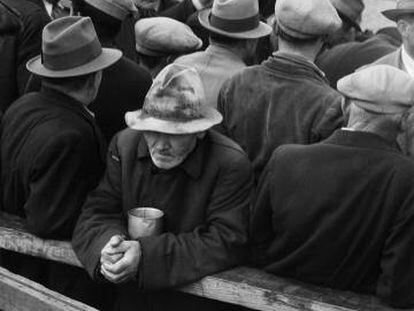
[(395, 13), (262, 31), (105, 59), (137, 120)]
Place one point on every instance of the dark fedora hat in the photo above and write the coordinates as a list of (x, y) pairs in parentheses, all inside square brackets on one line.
[(70, 47), (403, 7), (235, 19)]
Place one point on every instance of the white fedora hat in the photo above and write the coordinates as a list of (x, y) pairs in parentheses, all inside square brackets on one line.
[(175, 104), (234, 18)]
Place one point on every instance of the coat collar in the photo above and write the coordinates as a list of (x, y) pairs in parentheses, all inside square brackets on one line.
[(192, 165), (223, 51), (294, 65), (361, 140)]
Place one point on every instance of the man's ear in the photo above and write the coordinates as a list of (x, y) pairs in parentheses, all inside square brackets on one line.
[(402, 27)]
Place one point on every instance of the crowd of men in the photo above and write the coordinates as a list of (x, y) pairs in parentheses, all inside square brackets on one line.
[(275, 134)]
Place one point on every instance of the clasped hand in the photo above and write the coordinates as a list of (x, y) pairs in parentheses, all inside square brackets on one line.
[(120, 259)]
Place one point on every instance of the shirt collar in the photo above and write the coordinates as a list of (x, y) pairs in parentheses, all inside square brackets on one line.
[(407, 61), (192, 165)]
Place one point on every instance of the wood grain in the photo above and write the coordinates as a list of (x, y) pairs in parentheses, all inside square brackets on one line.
[(18, 293), (243, 286)]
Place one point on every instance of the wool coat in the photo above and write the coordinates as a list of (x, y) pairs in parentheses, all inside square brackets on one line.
[(345, 58), (52, 155), (206, 205), (284, 100), (339, 213)]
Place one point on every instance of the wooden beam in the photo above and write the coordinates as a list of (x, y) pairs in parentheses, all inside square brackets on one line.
[(243, 286), (20, 294)]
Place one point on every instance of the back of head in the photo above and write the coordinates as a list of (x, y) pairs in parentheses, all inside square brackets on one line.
[(306, 20)]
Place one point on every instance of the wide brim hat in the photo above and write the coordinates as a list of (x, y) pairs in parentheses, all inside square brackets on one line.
[(106, 59), (175, 104), (238, 19), (70, 48), (403, 7)]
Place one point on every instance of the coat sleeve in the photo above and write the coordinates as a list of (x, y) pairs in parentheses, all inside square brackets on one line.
[(220, 242), (101, 216), (59, 180), (331, 118), (261, 229), (396, 281)]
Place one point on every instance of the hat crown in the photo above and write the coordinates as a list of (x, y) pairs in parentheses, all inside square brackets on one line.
[(405, 4), (351, 8), (69, 42), (177, 94), (118, 9), (379, 88), (306, 19), (235, 9)]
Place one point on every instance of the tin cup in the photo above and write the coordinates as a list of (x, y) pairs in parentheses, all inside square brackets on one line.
[(144, 221)]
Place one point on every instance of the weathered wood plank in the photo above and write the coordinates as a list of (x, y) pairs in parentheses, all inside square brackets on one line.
[(20, 294), (243, 286)]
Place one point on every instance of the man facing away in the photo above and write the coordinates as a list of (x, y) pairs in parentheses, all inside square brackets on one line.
[(340, 213), (201, 180), (52, 152), (235, 28), (286, 99)]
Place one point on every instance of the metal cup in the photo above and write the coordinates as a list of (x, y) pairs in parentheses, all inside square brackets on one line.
[(144, 221)]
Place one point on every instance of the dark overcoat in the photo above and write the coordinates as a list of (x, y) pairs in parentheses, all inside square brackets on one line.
[(345, 58), (52, 155), (206, 204), (339, 213), (284, 100)]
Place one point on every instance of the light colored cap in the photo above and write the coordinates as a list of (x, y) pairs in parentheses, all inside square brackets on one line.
[(119, 9), (238, 19), (175, 104), (162, 36), (350, 8), (380, 88), (306, 19), (403, 7)]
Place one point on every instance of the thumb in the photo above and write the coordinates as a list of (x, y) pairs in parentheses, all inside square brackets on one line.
[(116, 240)]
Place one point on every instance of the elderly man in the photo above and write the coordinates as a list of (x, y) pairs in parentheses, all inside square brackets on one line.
[(201, 180), (235, 28), (340, 213), (286, 99), (52, 152), (403, 58)]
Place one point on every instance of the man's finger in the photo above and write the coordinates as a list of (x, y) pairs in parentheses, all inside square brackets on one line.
[(118, 267), (111, 258), (115, 278)]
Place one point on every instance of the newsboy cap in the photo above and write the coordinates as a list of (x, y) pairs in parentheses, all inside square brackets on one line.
[(380, 88), (119, 9), (162, 36), (306, 19)]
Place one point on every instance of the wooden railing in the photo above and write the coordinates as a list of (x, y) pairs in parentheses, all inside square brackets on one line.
[(243, 286)]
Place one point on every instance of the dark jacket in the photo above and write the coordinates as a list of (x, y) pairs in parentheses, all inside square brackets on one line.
[(206, 204), (339, 213), (27, 44), (284, 100), (52, 155), (124, 87), (344, 59)]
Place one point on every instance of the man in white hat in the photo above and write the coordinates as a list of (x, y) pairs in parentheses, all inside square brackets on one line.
[(403, 58), (52, 152), (340, 213), (287, 98), (235, 28), (201, 180)]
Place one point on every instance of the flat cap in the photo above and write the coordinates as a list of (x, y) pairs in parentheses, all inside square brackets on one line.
[(119, 9), (162, 36), (380, 88), (306, 19)]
